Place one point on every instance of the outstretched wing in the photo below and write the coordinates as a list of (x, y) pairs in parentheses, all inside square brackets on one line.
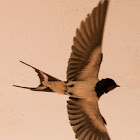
[(86, 120), (86, 53)]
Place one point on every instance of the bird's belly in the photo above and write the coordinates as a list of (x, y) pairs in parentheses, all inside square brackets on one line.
[(81, 89)]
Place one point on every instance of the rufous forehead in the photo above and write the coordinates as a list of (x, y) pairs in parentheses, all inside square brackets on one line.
[(111, 87)]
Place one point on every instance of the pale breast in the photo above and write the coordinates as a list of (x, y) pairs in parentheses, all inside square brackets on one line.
[(82, 89)]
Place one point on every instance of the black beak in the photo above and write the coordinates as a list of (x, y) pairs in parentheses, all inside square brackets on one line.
[(118, 86)]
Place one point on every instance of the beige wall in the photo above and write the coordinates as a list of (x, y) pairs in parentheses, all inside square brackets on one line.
[(40, 33)]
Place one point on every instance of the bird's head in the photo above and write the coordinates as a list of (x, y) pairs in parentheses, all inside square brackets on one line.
[(104, 86), (108, 84)]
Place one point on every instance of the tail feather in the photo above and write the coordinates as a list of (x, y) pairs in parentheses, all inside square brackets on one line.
[(39, 88), (43, 77)]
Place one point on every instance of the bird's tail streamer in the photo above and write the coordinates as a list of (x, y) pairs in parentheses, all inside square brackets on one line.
[(43, 77)]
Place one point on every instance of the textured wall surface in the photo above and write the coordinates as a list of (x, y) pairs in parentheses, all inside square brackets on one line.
[(40, 32)]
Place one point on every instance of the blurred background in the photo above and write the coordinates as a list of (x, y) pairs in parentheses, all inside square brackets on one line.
[(40, 33)]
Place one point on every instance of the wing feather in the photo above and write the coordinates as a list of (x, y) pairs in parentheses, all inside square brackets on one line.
[(87, 122), (88, 38)]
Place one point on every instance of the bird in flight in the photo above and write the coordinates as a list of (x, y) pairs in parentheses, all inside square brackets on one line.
[(83, 86)]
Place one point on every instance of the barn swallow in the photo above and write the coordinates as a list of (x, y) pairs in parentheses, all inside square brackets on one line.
[(83, 86)]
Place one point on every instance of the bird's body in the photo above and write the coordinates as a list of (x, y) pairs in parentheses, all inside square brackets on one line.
[(83, 85), (81, 89)]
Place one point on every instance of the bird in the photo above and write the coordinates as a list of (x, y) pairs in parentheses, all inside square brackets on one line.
[(83, 87)]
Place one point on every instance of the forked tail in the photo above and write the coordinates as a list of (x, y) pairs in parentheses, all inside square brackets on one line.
[(43, 77)]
